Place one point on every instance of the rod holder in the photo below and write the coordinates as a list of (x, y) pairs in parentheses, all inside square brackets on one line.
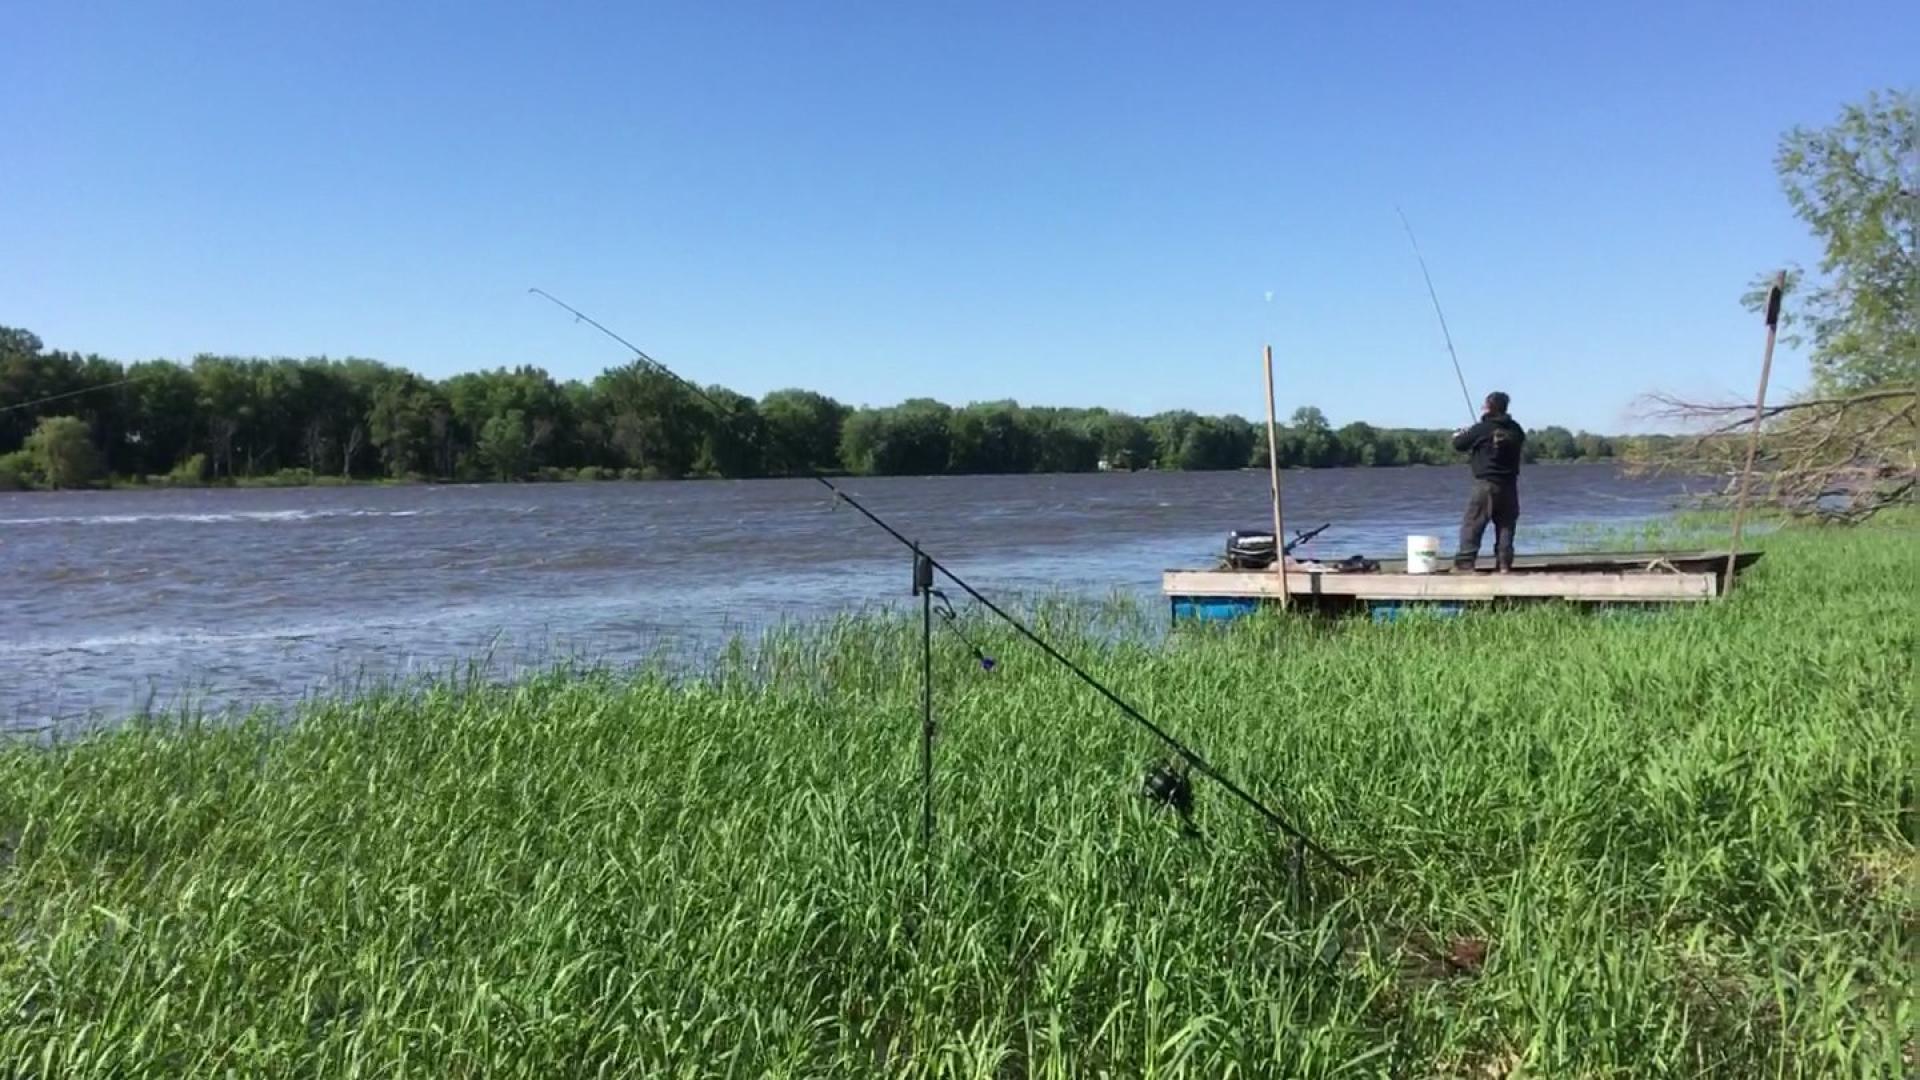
[(924, 568), (923, 588)]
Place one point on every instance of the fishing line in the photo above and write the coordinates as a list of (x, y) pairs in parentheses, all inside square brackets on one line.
[(70, 393), (1465, 395), (943, 607), (1191, 757)]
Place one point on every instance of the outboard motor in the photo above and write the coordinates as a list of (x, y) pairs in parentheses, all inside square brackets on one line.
[(1250, 549)]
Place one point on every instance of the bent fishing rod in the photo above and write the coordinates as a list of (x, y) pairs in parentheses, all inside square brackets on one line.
[(1186, 753), (1444, 332)]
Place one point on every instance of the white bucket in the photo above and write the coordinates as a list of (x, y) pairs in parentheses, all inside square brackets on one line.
[(1423, 554)]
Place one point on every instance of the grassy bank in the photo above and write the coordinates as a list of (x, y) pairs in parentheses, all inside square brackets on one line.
[(1587, 846)]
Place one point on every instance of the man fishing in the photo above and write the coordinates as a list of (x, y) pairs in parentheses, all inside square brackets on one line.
[(1493, 447)]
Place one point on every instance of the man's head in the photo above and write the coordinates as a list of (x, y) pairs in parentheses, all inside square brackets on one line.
[(1497, 403)]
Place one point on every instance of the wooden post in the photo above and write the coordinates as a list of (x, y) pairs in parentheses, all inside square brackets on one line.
[(1273, 474), (1753, 435)]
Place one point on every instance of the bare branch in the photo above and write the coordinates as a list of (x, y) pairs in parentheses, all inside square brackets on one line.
[(1838, 458), (1665, 406)]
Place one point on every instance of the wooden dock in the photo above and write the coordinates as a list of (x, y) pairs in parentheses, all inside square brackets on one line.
[(1654, 577)]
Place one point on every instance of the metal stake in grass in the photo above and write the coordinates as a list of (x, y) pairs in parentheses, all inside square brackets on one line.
[(1774, 293)]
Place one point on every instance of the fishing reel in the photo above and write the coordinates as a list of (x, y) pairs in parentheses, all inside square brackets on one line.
[(1167, 784)]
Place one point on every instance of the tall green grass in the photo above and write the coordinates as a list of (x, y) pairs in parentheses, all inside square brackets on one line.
[(1586, 847)]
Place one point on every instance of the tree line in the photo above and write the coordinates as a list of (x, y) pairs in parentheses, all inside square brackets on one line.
[(72, 421)]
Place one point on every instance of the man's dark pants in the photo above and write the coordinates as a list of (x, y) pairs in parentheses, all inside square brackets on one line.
[(1495, 501)]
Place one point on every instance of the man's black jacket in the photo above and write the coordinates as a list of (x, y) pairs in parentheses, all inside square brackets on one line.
[(1493, 446)]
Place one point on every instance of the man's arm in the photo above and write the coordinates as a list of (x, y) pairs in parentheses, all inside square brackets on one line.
[(1464, 440)]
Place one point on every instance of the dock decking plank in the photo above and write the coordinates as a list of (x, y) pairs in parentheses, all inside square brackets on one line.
[(1641, 587)]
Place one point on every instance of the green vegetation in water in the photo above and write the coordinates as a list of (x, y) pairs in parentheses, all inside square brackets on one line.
[(1586, 846), (1685, 530)]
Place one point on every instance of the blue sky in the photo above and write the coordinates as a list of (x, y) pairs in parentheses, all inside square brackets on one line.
[(1067, 204)]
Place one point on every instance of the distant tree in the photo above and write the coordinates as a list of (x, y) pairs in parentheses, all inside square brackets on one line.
[(277, 415), (22, 379), (1122, 440), (1216, 443), (1388, 449), (991, 437), (1063, 441), (1552, 443), (908, 439), (16, 471), (1287, 444), (400, 424), (1314, 443), (803, 430), (1199, 448), (472, 399), (1168, 430), (224, 397), (656, 425), (38, 384), (733, 443), (860, 440), (17, 342), (360, 379), (503, 446), (162, 417), (1358, 443), (62, 453), (921, 443), (1237, 435)]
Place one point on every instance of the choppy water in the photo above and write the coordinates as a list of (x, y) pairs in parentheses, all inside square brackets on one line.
[(114, 601)]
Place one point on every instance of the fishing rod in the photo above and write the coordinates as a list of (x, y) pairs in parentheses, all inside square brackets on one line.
[(1300, 538), (1465, 395), (926, 565)]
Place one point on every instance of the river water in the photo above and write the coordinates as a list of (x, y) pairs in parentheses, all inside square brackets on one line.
[(114, 602)]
